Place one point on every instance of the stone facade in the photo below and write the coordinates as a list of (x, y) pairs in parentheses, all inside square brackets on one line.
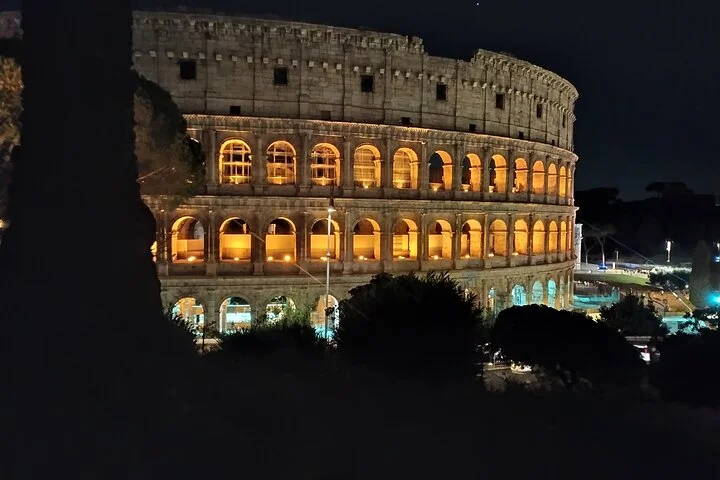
[(433, 164)]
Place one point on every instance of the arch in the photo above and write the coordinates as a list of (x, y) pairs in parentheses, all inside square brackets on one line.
[(569, 190), (471, 176), (553, 237), (563, 182), (492, 304), (471, 240), (405, 240), (319, 240), (235, 162), (280, 242), (317, 316), (366, 240), (277, 307), (325, 165), (520, 237), (188, 240), (561, 292), (281, 164), (235, 240), (538, 232), (439, 240), (564, 236), (552, 176), (520, 176), (405, 168), (538, 292), (518, 295), (497, 169), (552, 293), (440, 171), (498, 238), (366, 166), (190, 310), (235, 314), (538, 178)]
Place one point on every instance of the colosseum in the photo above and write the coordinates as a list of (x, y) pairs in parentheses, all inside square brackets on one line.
[(357, 148)]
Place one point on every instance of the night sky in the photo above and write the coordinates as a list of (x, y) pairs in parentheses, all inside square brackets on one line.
[(647, 74)]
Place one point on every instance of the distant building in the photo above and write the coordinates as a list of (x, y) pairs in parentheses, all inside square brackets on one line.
[(578, 246)]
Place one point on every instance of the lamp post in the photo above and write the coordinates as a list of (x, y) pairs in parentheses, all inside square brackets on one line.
[(668, 247), (330, 210)]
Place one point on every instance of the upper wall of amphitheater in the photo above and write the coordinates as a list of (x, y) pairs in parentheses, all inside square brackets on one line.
[(236, 58)]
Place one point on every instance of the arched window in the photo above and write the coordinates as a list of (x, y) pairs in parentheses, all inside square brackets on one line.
[(520, 238), (518, 295), (235, 240), (552, 180), (188, 240), (553, 237), (520, 180), (538, 238), (498, 239), (440, 175), (563, 236), (319, 240), (563, 181), (280, 241), (552, 292), (471, 240), (235, 162), (235, 314), (278, 307), (405, 240), (538, 178), (538, 292), (439, 240), (366, 240), (498, 174), (405, 169), (366, 166), (191, 311), (325, 165), (281, 164), (471, 177)]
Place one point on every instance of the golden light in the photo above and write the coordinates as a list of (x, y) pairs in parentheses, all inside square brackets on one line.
[(191, 259), (366, 185), (323, 258), (436, 257), (491, 254), (466, 188), (270, 259), (435, 187), (361, 257), (237, 259), (515, 254), (287, 258), (401, 257), (467, 255)]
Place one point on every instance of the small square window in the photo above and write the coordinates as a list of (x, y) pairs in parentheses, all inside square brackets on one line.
[(405, 121), (367, 83), (441, 92), (280, 76), (563, 121), (500, 101), (521, 135), (188, 70), (472, 128), (325, 115), (538, 110), (235, 110), (552, 142)]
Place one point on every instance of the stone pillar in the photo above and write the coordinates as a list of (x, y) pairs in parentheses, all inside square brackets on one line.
[(545, 180), (571, 184), (422, 240), (212, 155), (259, 170), (302, 239), (485, 179), (304, 179), (163, 244), (387, 166), (257, 252), (457, 168), (211, 313), (510, 239), (510, 180), (547, 239), (457, 236), (347, 257), (386, 235), (346, 164), (485, 236), (423, 171), (213, 245), (531, 234)]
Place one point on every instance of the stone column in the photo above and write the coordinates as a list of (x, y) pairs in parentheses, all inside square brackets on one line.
[(212, 155), (510, 174), (531, 234), (485, 236), (457, 236), (302, 239), (457, 168), (259, 170), (346, 164), (547, 239), (485, 179), (304, 161), (258, 252), (422, 240), (545, 180), (211, 314), (510, 239), (571, 184), (386, 251), (423, 171), (163, 245), (213, 244), (347, 254), (387, 166)]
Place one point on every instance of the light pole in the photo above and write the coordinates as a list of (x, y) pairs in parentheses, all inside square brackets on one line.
[(617, 260), (330, 210), (668, 247)]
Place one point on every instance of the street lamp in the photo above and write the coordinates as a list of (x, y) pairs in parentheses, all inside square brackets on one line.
[(668, 247), (330, 210)]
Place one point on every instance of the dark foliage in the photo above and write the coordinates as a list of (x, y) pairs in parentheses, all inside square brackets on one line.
[(676, 280), (569, 345), (418, 325), (632, 317)]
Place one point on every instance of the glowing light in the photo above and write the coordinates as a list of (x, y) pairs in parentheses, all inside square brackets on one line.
[(467, 255), (287, 258), (191, 259), (361, 257), (435, 188), (491, 254), (436, 257), (401, 257), (466, 188), (270, 259), (366, 185), (324, 259), (237, 259), (515, 254)]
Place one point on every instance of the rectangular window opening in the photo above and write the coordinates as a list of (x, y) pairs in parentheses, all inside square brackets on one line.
[(325, 115), (235, 110), (405, 121), (552, 142), (188, 70), (472, 128), (539, 110), (521, 135), (500, 101), (367, 83), (280, 76), (441, 92)]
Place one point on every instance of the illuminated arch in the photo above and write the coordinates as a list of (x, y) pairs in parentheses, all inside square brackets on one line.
[(439, 240), (538, 292), (520, 237), (235, 240), (325, 165), (366, 166), (235, 162), (552, 293), (497, 169), (277, 307), (538, 178), (280, 244), (471, 175), (498, 239), (281, 164), (538, 232), (405, 240), (553, 237), (317, 316), (188, 240), (471, 240), (319, 240), (563, 182), (405, 168), (552, 176), (440, 171), (190, 310), (235, 314), (518, 295), (520, 176), (564, 240), (366, 240)]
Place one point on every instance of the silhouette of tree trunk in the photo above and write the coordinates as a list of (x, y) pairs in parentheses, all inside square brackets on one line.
[(79, 292)]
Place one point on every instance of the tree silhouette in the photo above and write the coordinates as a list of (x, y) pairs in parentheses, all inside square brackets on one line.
[(631, 317)]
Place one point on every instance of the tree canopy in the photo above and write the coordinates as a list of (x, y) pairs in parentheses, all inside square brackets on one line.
[(632, 317), (10, 109)]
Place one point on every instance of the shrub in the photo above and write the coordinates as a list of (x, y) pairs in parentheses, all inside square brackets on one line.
[(421, 325)]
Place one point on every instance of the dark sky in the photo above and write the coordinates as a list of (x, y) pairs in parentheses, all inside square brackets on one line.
[(647, 73)]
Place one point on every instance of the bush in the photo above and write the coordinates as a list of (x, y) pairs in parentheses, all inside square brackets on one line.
[(569, 345), (631, 317), (421, 325)]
